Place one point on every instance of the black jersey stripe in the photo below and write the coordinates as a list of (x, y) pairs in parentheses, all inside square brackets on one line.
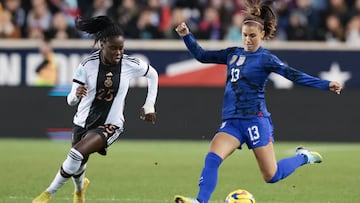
[(83, 63), (106, 90), (147, 70), (131, 59), (78, 81), (134, 60), (93, 56)]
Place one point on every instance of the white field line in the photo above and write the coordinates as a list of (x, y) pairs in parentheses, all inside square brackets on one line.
[(111, 199)]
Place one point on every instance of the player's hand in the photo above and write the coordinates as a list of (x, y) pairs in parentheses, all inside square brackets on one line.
[(335, 87), (182, 29), (150, 117), (81, 91)]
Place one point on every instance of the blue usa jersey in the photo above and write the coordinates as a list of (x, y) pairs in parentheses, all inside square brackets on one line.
[(247, 74)]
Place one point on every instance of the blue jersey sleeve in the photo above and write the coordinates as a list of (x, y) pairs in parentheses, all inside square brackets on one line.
[(277, 66), (204, 56)]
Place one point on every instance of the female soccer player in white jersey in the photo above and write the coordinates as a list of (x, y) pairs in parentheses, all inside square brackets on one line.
[(99, 88), (244, 113)]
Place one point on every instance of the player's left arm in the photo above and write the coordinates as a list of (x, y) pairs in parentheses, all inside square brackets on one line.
[(311, 81), (147, 111), (301, 77)]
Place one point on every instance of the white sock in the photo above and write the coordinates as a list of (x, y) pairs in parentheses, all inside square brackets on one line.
[(79, 181), (73, 162), (70, 166), (56, 184)]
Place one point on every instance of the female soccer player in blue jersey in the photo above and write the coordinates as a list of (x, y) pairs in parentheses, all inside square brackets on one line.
[(244, 113), (99, 89)]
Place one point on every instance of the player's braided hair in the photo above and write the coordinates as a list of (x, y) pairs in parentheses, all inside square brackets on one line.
[(102, 27), (261, 13)]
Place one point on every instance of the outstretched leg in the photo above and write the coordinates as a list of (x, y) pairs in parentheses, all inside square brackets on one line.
[(273, 172)]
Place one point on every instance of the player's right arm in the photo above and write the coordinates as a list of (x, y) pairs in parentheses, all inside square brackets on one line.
[(204, 56), (78, 88)]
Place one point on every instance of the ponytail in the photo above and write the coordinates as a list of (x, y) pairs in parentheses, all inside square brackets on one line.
[(261, 13), (102, 27)]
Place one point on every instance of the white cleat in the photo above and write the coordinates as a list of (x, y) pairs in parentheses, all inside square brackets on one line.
[(313, 157)]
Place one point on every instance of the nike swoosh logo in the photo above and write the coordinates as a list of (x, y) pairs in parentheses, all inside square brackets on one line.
[(256, 142)]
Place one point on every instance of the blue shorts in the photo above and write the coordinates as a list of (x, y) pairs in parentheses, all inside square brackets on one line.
[(255, 132)]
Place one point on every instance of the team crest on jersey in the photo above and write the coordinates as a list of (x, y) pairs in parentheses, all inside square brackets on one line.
[(78, 73), (233, 59), (108, 82), (240, 60)]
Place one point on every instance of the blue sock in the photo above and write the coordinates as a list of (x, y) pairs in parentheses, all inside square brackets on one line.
[(209, 177), (287, 166)]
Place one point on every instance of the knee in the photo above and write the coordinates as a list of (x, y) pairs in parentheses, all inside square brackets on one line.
[(268, 177), (72, 163), (212, 160), (273, 178), (91, 143), (269, 174)]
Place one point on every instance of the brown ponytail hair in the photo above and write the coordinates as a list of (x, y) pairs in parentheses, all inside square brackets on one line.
[(261, 13)]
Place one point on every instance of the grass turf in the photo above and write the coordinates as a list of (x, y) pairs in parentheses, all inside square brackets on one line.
[(145, 171)]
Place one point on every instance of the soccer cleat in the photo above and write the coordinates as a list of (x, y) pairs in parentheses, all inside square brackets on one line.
[(79, 197), (182, 199), (313, 157), (44, 197)]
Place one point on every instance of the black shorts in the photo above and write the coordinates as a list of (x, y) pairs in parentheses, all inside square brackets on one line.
[(109, 133)]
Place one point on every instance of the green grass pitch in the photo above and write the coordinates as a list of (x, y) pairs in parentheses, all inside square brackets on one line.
[(145, 171)]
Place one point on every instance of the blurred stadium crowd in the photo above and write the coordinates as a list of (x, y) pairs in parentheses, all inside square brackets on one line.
[(298, 20)]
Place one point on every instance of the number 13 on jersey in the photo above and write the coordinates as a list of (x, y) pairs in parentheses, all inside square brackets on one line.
[(254, 133)]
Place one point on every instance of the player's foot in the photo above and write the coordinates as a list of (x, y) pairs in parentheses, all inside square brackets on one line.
[(44, 197), (182, 199), (313, 157), (79, 196)]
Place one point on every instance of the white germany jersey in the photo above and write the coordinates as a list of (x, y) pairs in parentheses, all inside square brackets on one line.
[(107, 88)]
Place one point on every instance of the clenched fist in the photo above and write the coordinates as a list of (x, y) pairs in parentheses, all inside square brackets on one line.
[(182, 29)]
